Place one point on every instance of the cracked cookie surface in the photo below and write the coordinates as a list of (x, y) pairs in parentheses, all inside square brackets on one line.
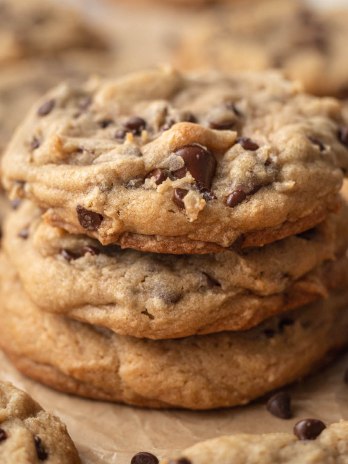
[(200, 372), (163, 162), (30, 435), (165, 296)]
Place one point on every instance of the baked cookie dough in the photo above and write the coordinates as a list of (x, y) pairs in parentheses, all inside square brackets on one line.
[(36, 28), (165, 296), (30, 435), (330, 446), (308, 44), (202, 372), (168, 163)]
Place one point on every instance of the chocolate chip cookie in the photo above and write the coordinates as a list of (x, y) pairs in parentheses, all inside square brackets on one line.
[(165, 296), (30, 435), (326, 445), (169, 163), (200, 372), (309, 45), (32, 28)]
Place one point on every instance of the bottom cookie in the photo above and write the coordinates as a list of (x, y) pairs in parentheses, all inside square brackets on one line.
[(329, 446), (200, 372), (29, 435)]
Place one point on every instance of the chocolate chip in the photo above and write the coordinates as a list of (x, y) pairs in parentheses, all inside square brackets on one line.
[(144, 458), (222, 125), (211, 282), (317, 142), (234, 108), (85, 102), (345, 377), (104, 123), (46, 107), (35, 143), (120, 134), (309, 429), (280, 405), (188, 117), (135, 125), (343, 135), (3, 435), (180, 461), (70, 255), (40, 449), (24, 233), (247, 143), (178, 197), (235, 198), (89, 220), (15, 203), (158, 175), (199, 162)]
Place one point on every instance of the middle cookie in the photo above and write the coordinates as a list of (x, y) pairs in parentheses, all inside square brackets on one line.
[(165, 296)]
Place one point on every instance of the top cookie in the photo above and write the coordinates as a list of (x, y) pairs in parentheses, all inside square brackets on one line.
[(163, 162), (277, 448), (29, 435), (309, 45), (33, 28)]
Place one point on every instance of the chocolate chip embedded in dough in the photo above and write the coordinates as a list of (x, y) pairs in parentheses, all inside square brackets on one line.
[(178, 197), (89, 220), (199, 162), (46, 107), (309, 429), (3, 435), (135, 125), (40, 449), (235, 198), (247, 143), (158, 175)]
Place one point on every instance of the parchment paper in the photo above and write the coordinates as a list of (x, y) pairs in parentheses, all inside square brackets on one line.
[(109, 433)]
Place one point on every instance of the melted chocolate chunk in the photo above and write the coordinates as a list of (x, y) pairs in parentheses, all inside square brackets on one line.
[(70, 255), (211, 282), (343, 136), (46, 107), (3, 435), (247, 143), (158, 175), (309, 429), (144, 458), (40, 449), (135, 125), (199, 162), (280, 405), (317, 142), (235, 198), (89, 220), (178, 197)]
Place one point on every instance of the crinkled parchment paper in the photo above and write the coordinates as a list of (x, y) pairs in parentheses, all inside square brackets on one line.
[(109, 433)]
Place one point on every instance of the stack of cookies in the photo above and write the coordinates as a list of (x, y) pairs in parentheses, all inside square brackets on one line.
[(177, 241)]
